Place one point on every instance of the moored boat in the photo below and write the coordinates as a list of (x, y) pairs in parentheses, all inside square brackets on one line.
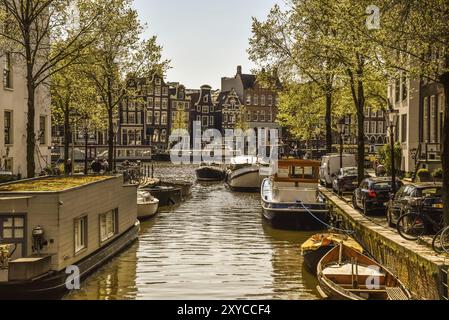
[(290, 197), (346, 274), (147, 205), (317, 246), (210, 172), (243, 174), (167, 195)]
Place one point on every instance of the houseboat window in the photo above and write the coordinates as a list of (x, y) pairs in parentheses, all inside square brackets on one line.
[(13, 227), (80, 229), (108, 225)]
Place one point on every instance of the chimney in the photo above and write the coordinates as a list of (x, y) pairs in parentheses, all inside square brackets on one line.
[(239, 70)]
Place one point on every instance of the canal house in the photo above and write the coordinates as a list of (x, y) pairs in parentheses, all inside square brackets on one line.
[(50, 224)]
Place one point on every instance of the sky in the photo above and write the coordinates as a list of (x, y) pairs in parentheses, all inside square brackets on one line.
[(204, 39)]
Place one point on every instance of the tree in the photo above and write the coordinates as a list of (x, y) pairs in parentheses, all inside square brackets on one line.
[(241, 123), (29, 28), (414, 39), (283, 42), (118, 55), (74, 100)]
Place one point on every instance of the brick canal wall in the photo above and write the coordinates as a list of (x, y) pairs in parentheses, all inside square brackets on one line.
[(417, 266)]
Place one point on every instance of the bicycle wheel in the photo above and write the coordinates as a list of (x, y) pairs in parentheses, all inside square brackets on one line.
[(411, 226), (437, 243), (444, 240)]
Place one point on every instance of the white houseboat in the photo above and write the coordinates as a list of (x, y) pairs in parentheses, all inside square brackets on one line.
[(52, 228), (291, 199)]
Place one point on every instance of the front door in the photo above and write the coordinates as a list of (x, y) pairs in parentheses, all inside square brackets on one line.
[(12, 231)]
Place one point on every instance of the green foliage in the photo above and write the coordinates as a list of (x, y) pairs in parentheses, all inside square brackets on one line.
[(438, 173), (385, 156)]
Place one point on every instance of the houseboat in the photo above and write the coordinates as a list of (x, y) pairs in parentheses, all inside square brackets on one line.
[(56, 231), (244, 173), (290, 197)]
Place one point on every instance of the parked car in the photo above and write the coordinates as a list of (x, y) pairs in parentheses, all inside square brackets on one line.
[(346, 180), (373, 194), (330, 165), (423, 198)]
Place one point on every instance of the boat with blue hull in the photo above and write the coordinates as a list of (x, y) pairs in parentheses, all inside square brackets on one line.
[(290, 197)]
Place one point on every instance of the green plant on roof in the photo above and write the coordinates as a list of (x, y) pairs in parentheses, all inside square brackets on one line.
[(51, 184)]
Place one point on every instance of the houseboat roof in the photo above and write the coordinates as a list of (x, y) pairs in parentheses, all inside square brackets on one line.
[(50, 184), (298, 163)]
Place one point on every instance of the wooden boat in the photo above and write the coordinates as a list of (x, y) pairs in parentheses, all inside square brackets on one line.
[(185, 186), (317, 246), (147, 205), (346, 274), (290, 198), (210, 172)]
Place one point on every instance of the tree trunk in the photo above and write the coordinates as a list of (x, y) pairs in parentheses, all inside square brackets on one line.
[(31, 137), (110, 139), (360, 130), (445, 150), (67, 137), (328, 122)]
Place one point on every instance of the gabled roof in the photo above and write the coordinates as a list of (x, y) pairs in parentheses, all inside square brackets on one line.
[(248, 80)]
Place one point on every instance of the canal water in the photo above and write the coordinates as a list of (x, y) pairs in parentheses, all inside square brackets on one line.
[(214, 246)]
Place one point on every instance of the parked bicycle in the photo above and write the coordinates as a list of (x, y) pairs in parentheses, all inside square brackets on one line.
[(412, 226)]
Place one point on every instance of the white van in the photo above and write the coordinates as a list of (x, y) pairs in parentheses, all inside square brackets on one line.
[(330, 165)]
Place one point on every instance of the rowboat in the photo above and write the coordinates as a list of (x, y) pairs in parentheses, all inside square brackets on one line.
[(346, 274), (210, 172), (317, 246), (147, 205)]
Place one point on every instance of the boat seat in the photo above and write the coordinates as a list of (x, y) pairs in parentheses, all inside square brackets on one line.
[(396, 293)]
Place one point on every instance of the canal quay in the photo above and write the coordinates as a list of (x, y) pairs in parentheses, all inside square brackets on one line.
[(215, 245)]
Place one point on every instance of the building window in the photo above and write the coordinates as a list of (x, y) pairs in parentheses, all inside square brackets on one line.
[(164, 103), (205, 109), (255, 117), (8, 127), (256, 100), (225, 117), (43, 129), (270, 116), (373, 127), (158, 90), (366, 127), (165, 91), (124, 117), (205, 121), (150, 103), (80, 230), (248, 100), (248, 116), (156, 135), (8, 165), (157, 119), (108, 225), (164, 118), (158, 81), (404, 88), (367, 112), (404, 128), (380, 127), (262, 116), (211, 121), (164, 135), (12, 228), (198, 118), (211, 109), (433, 119), (262, 100), (7, 71), (157, 103), (270, 101), (397, 89), (425, 135), (150, 117), (131, 118)]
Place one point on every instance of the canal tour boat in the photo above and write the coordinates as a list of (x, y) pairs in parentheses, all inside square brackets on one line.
[(244, 173), (147, 205), (210, 172), (317, 246), (58, 230), (290, 198), (346, 274)]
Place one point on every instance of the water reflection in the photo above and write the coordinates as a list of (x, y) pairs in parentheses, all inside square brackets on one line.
[(215, 246)]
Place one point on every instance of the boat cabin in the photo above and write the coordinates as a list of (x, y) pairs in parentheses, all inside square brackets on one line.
[(295, 180), (48, 224)]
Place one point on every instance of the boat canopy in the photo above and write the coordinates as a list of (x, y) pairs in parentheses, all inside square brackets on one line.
[(306, 171)]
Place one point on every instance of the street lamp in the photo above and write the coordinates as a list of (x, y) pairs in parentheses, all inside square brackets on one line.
[(115, 128), (393, 116), (341, 130)]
